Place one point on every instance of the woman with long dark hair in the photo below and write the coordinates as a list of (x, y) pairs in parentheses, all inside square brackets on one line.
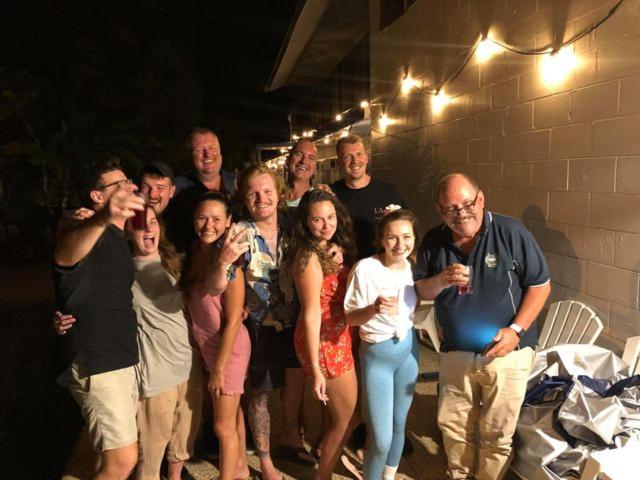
[(322, 336), (218, 329)]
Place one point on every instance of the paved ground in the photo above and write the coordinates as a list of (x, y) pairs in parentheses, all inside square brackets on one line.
[(39, 421)]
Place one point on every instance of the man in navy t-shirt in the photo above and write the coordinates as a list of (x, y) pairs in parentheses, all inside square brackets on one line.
[(364, 196), (489, 281)]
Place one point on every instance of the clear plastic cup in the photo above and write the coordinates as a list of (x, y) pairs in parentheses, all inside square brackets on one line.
[(391, 294)]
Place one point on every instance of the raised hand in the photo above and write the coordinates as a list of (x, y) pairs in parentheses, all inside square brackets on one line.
[(122, 205), (235, 244), (455, 274)]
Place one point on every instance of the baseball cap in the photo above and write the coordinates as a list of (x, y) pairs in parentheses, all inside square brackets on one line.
[(158, 168)]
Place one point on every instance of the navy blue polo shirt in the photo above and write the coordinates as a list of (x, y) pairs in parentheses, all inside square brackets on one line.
[(506, 260)]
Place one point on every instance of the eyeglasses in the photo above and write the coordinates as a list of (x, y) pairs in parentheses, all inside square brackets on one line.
[(124, 181), (450, 210)]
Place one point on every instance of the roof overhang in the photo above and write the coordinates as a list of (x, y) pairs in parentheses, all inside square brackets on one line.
[(321, 34)]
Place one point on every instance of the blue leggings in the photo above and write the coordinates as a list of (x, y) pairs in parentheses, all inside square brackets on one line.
[(389, 374)]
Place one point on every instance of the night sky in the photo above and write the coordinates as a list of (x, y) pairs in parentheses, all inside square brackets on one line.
[(151, 68), (81, 81)]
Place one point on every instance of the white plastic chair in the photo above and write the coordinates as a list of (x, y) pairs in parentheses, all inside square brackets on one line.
[(631, 354), (425, 318), (569, 321)]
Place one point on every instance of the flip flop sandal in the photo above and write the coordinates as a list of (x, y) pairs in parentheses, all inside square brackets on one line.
[(298, 455), (351, 468)]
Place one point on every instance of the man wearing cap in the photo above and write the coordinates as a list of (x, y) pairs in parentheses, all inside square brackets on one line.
[(156, 183)]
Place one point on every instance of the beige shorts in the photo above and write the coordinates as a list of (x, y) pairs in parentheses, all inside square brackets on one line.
[(108, 402)]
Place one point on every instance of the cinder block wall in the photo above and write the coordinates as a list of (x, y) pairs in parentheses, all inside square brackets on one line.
[(566, 161)]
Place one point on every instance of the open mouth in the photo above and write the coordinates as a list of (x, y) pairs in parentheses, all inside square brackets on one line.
[(153, 201), (149, 241)]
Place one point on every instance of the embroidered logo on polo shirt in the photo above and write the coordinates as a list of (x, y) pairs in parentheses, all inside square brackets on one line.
[(491, 260)]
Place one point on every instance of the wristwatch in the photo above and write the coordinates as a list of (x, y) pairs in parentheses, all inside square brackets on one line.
[(518, 329)]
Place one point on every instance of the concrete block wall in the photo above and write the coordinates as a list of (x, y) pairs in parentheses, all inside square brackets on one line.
[(566, 161)]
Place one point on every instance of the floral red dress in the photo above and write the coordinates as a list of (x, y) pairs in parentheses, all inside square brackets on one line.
[(335, 356)]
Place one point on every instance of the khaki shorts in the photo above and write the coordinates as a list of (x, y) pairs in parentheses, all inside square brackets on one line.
[(108, 402)]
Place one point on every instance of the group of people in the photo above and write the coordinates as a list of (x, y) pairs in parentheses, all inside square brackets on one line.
[(265, 283)]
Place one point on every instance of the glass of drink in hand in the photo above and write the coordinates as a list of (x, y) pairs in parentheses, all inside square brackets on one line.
[(466, 289), (139, 220), (390, 294)]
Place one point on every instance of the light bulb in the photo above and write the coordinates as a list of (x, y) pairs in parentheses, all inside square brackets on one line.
[(409, 83), (486, 49), (556, 67), (439, 101)]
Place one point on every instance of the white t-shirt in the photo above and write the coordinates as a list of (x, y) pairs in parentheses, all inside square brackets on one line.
[(166, 355), (369, 279)]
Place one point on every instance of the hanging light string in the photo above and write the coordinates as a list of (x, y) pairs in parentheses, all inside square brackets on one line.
[(435, 90)]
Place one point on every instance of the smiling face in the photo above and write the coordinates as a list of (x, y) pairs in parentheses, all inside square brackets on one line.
[(322, 221), (461, 207), (398, 240), (353, 160), (211, 221), (145, 242), (159, 191), (207, 157), (302, 161), (261, 199)]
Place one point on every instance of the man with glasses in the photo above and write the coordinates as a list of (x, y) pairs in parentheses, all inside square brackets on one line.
[(489, 281), (93, 274), (207, 174)]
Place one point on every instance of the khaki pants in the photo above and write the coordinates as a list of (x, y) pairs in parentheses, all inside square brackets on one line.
[(480, 399), (169, 421)]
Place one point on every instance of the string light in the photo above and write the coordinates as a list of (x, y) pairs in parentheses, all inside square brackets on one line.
[(295, 137), (409, 83), (556, 67), (439, 101), (327, 140), (385, 121), (487, 49), (344, 133)]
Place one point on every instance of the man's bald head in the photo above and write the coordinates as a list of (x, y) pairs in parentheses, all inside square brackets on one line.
[(455, 180)]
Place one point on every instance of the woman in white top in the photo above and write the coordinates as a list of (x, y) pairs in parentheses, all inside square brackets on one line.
[(381, 300)]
